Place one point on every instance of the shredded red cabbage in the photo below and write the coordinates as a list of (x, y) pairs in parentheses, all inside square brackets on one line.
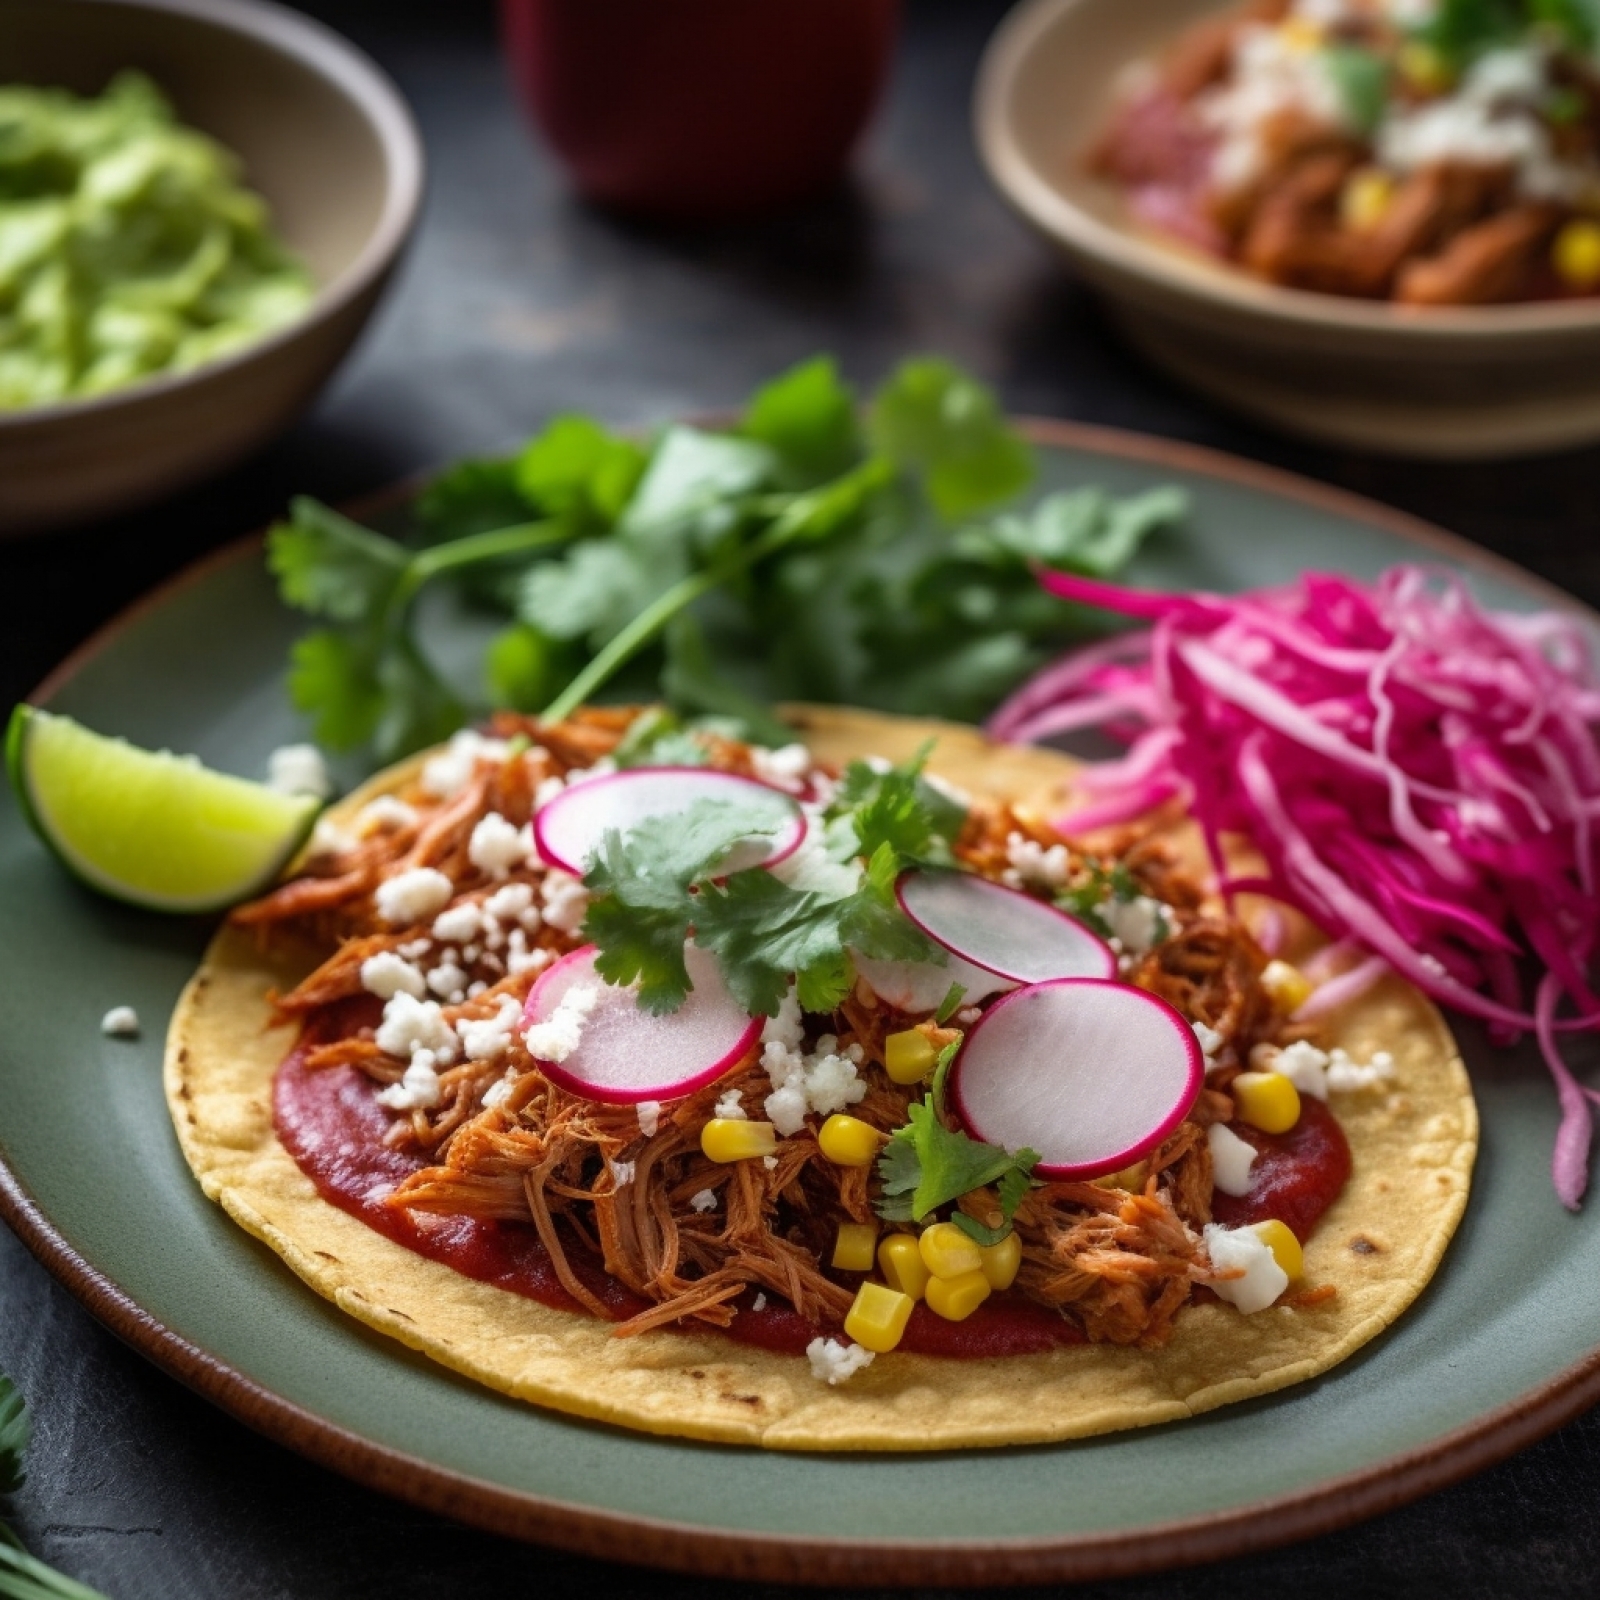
[(1421, 775)]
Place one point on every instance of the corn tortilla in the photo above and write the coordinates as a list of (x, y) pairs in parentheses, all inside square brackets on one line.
[(1413, 1142)]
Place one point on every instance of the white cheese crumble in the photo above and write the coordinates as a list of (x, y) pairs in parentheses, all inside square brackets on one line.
[(510, 902), (558, 1035), (496, 846), (418, 1088), (382, 813), (499, 1091), (1261, 1280), (299, 769), (449, 982), (414, 1028), (387, 974), (649, 1117), (729, 1109), (120, 1022), (329, 839), (459, 924), (450, 771), (488, 1038), (1231, 1159), (759, 1303), (565, 900), (1135, 924), (410, 897), (1209, 1039), (548, 789), (621, 1172), (1033, 866), (832, 1362), (1315, 1072), (823, 1082), (785, 1028), (410, 1025), (703, 1200), (784, 768)]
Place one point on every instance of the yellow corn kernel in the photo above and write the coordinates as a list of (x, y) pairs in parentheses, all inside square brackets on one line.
[(849, 1142), (1300, 33), (1266, 1100), (1424, 68), (1365, 198), (1288, 988), (1000, 1262), (900, 1261), (1284, 1246), (947, 1252), (909, 1057), (879, 1317), (733, 1139), (1130, 1178), (854, 1250), (955, 1299), (1576, 255)]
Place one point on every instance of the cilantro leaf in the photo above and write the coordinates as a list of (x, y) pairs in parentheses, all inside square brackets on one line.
[(898, 808), (332, 567), (1081, 530), (470, 497), (658, 738), (925, 1165), (1362, 80), (807, 417), (578, 469), (954, 995), (694, 487), (946, 428)]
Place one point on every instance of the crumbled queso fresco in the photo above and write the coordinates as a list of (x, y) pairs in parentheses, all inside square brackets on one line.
[(1242, 1250), (411, 897), (833, 1362), (822, 1080), (1315, 1072), (558, 1035), (1231, 1159)]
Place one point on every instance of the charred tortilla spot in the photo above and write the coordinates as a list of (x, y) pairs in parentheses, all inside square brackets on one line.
[(1363, 1246)]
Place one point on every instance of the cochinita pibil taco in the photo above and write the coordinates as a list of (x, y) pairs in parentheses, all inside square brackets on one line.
[(817, 1097)]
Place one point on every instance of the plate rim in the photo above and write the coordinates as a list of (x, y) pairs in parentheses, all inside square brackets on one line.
[(1323, 1507)]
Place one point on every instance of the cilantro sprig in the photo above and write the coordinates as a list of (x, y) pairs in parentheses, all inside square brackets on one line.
[(818, 550), (661, 881), (925, 1165), (22, 1577)]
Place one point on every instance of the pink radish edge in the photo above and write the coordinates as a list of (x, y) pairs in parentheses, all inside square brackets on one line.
[(1089, 938), (549, 855), (626, 1095), (1098, 1166)]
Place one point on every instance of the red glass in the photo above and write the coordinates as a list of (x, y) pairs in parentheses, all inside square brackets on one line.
[(700, 108)]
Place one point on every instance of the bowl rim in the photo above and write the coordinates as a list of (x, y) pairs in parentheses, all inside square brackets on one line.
[(363, 83), (1165, 269)]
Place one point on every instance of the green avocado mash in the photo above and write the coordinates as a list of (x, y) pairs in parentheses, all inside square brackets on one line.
[(128, 246)]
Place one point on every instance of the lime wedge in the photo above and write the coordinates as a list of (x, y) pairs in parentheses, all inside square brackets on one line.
[(145, 826)]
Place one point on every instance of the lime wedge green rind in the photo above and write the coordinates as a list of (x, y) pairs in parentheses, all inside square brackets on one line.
[(148, 827)]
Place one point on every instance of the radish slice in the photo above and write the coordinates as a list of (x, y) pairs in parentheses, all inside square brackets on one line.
[(1091, 1074), (568, 829), (918, 986), (624, 1054), (1002, 930)]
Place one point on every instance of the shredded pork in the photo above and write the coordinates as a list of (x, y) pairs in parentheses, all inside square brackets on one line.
[(1119, 1257)]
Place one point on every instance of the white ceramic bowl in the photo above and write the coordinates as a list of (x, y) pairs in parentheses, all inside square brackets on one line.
[(323, 134), (1456, 382)]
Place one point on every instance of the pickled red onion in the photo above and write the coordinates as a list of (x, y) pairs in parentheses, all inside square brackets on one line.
[(1421, 775)]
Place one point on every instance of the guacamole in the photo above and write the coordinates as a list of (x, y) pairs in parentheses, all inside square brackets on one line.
[(128, 246)]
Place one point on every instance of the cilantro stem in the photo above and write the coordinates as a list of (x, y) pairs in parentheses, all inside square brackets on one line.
[(24, 1578), (793, 521), (428, 564), (622, 647)]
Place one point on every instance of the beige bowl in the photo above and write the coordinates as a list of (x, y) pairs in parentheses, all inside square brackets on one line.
[(1474, 381), (324, 136)]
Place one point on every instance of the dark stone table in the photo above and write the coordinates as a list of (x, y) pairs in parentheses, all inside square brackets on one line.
[(517, 302)]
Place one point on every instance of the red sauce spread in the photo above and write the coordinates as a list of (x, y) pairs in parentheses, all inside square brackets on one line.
[(1296, 1175), (331, 1123)]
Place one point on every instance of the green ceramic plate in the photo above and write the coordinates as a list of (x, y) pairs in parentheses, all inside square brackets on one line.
[(1501, 1347)]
